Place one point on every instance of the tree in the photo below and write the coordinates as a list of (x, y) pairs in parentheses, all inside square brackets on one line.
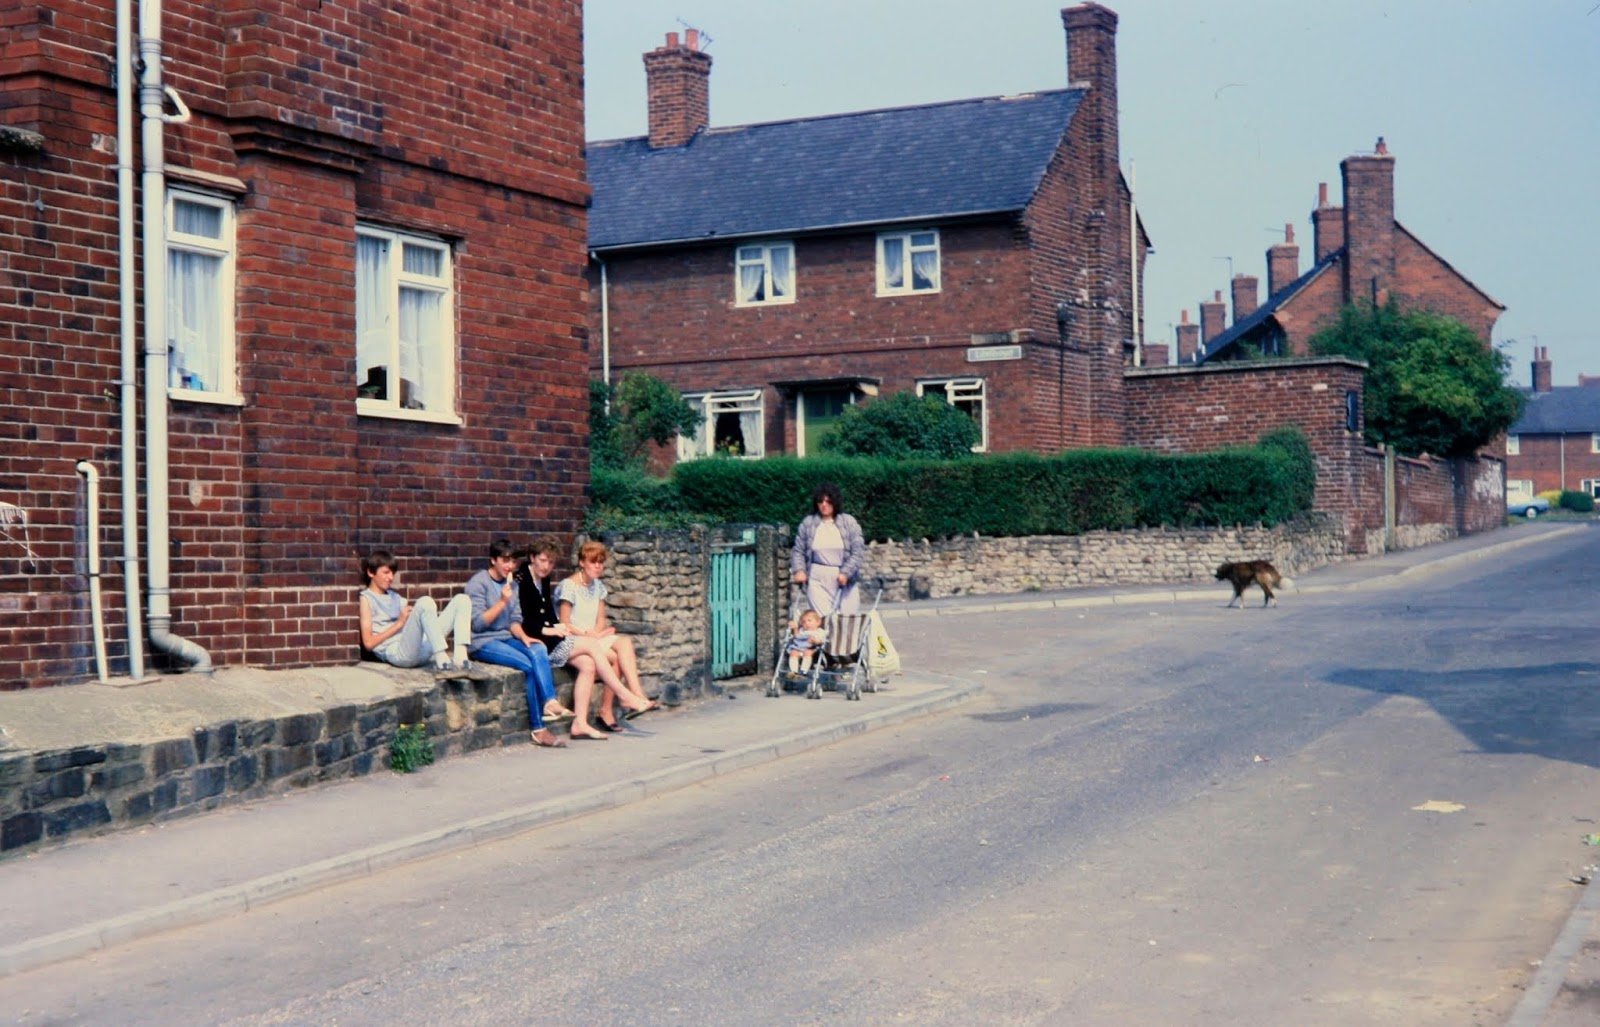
[(903, 425), (644, 410), (1432, 385)]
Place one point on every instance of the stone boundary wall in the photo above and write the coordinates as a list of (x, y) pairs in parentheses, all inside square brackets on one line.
[(935, 569), (51, 796)]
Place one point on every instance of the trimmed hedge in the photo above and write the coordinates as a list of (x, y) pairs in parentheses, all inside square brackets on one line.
[(1578, 502), (1003, 495)]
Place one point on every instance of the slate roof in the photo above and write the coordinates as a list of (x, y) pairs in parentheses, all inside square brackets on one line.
[(1243, 329), (1562, 410), (902, 164)]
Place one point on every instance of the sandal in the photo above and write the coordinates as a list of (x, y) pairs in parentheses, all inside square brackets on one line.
[(608, 725), (590, 735), (632, 712), (560, 716), (552, 743)]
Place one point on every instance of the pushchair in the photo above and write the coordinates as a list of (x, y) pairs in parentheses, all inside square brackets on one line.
[(842, 664)]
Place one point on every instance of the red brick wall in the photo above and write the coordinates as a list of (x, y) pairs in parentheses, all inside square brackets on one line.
[(464, 122), (1190, 410), (673, 314), (1424, 281)]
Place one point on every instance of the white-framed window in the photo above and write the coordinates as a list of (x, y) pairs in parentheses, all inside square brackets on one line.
[(1513, 445), (966, 394), (200, 259), (1594, 443), (1519, 487), (1591, 486), (764, 274), (733, 425), (405, 326), (908, 262)]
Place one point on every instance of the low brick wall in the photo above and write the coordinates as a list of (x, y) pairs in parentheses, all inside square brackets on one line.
[(49, 797), (998, 566)]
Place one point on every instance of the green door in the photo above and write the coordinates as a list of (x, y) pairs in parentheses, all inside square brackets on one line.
[(733, 610), (819, 409)]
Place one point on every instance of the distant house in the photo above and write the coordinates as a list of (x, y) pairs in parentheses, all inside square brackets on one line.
[(1361, 253), (976, 250), (1556, 443)]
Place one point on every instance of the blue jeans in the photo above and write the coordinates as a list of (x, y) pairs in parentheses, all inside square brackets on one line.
[(533, 661)]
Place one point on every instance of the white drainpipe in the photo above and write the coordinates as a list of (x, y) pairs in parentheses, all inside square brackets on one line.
[(605, 328), (91, 476), (127, 313), (152, 106)]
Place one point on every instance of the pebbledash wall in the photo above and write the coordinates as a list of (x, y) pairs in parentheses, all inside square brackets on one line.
[(458, 123), (1195, 409)]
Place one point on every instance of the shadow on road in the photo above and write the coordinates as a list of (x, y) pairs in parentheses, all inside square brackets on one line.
[(1550, 710)]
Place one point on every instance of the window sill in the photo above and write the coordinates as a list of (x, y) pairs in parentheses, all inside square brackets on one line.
[(745, 304), (908, 292), (215, 398), (374, 408)]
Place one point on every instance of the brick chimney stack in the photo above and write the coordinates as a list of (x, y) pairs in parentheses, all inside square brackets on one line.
[(1369, 224), (678, 86), (1283, 262), (1188, 340), (1245, 296), (1213, 317), (1156, 354), (1541, 369), (1327, 225)]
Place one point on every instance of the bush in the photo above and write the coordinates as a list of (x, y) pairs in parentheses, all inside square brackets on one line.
[(629, 499), (643, 410), (903, 426), (1578, 502), (1432, 385)]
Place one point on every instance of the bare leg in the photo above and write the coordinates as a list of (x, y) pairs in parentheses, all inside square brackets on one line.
[(582, 694)]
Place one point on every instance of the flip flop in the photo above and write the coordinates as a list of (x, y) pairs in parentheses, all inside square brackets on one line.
[(603, 726), (560, 717), (554, 743), (630, 714), (591, 736)]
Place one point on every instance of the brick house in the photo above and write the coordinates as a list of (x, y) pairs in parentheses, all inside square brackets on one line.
[(1556, 442), (362, 278), (1360, 252), (978, 250)]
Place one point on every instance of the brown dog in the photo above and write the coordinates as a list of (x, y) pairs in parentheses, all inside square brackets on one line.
[(1250, 572)]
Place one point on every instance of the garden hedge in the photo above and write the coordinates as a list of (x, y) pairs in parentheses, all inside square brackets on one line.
[(1003, 495)]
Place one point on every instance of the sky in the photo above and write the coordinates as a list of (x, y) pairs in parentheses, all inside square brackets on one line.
[(1232, 112)]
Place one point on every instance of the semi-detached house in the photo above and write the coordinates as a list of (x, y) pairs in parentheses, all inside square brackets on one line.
[(981, 250)]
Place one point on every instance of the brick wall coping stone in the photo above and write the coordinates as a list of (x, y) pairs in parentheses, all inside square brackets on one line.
[(1236, 366)]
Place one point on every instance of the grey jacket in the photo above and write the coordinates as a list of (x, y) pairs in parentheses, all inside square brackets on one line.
[(855, 547)]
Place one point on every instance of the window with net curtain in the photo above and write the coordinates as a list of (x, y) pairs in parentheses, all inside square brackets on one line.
[(200, 338), (764, 273), (405, 343), (908, 262), (732, 425)]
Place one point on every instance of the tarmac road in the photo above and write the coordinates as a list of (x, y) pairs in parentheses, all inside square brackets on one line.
[(1175, 814)]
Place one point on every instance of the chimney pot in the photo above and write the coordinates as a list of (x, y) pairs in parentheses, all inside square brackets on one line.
[(1382, 147), (672, 40), (692, 39), (1288, 232)]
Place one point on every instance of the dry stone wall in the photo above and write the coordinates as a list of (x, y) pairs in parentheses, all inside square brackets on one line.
[(935, 569)]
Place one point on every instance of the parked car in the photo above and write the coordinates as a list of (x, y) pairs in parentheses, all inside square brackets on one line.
[(1527, 506)]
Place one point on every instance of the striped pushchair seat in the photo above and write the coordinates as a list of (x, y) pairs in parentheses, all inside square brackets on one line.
[(842, 664)]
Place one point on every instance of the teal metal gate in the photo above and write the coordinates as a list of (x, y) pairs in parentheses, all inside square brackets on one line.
[(733, 610)]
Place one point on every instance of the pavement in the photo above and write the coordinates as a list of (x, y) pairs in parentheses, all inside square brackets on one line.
[(60, 903)]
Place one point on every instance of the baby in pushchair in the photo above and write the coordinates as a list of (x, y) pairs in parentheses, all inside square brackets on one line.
[(804, 642)]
